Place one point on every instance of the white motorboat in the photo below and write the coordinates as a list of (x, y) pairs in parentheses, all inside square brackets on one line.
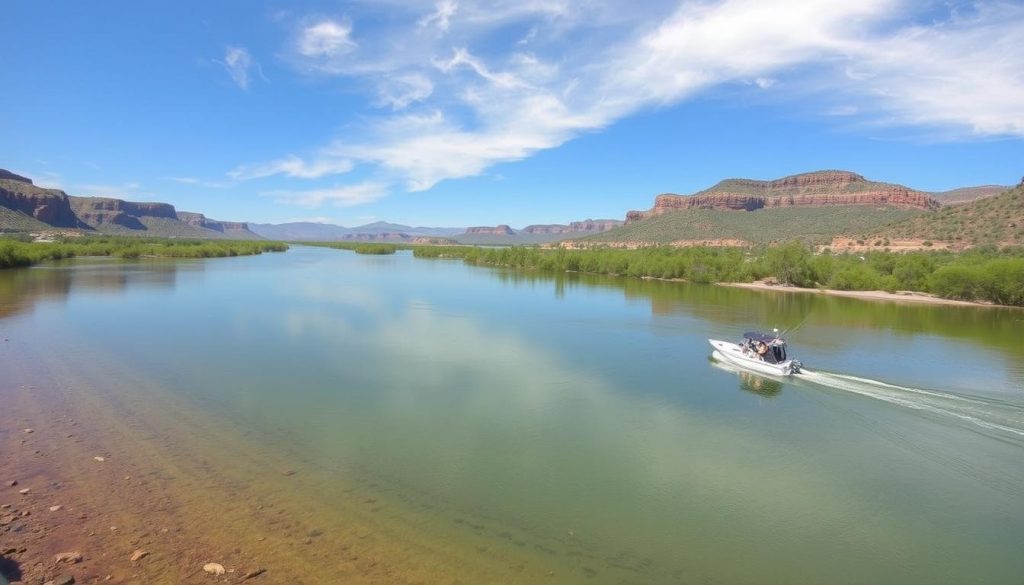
[(764, 353)]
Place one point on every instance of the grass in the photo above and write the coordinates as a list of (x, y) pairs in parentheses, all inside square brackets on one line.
[(816, 225), (16, 253)]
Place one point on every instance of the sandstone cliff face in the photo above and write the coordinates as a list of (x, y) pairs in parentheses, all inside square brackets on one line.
[(199, 220), (499, 230), (595, 225), (49, 206), (586, 226), (822, 188), (97, 211), (9, 176)]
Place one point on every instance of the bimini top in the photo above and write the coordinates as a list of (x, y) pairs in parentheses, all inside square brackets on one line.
[(761, 336)]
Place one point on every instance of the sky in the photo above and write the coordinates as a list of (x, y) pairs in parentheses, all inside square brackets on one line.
[(452, 113)]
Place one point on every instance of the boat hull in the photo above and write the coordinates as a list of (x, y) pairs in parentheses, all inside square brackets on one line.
[(733, 354)]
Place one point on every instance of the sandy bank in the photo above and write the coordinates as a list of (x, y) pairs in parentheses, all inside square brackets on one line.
[(874, 295)]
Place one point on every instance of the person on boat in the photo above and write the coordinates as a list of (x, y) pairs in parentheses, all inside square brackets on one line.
[(762, 350)]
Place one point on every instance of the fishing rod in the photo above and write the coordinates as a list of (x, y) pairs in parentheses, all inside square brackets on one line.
[(795, 327)]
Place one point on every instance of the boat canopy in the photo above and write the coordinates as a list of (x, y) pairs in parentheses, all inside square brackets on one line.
[(760, 336)]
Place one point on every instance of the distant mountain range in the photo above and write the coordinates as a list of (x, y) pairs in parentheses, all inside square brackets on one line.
[(816, 206), (391, 232), (325, 232)]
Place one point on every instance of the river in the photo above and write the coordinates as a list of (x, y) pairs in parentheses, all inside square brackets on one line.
[(472, 423)]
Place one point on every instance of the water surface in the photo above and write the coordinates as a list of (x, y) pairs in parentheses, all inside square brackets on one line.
[(578, 419)]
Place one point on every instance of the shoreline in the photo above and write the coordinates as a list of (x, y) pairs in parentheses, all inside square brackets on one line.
[(139, 486), (871, 295)]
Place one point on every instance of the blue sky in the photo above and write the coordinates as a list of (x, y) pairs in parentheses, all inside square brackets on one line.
[(456, 113)]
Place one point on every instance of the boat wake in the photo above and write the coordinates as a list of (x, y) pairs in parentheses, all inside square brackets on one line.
[(990, 415)]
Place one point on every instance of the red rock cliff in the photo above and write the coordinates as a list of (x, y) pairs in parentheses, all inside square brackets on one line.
[(50, 206), (820, 188), (104, 210)]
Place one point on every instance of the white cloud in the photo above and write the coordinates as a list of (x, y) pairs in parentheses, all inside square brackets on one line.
[(967, 72), (441, 17), (293, 166), (400, 91), (344, 196), (325, 46), (237, 62), (466, 100)]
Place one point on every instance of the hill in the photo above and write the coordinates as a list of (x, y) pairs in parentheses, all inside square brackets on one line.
[(815, 189), (503, 235), (717, 226), (813, 206), (325, 232), (968, 194), (27, 207), (995, 220)]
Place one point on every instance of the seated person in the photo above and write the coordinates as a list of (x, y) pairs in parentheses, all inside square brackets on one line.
[(762, 350)]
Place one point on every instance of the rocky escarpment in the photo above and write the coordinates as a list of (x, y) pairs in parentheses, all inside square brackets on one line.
[(201, 221), (499, 230), (99, 211), (54, 208), (817, 189), (50, 206), (576, 227)]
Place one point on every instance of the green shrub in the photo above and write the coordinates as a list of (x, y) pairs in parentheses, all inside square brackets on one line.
[(956, 282)]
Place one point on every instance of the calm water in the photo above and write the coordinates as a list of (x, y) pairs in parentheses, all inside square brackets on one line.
[(583, 415)]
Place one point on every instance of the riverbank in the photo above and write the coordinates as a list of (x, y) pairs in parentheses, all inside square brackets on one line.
[(873, 295)]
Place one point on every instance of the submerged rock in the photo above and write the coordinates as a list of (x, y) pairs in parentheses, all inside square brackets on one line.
[(55, 508), (254, 573), (100, 459), (62, 580), (139, 554), (214, 568), (24, 491)]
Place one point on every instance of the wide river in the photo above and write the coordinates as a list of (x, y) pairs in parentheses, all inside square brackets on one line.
[(563, 425)]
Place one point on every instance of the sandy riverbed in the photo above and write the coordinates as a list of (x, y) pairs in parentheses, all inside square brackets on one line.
[(133, 470)]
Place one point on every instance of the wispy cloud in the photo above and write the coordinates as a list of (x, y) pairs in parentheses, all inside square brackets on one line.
[(202, 182), (294, 166), (462, 101), (238, 63), (324, 46), (441, 17), (345, 196)]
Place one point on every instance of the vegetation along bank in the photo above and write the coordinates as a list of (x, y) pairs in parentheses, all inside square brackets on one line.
[(985, 273), (16, 252)]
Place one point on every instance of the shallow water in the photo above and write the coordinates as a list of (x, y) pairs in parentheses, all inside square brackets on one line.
[(577, 421)]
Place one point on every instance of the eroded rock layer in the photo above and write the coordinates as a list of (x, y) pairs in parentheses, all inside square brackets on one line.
[(821, 188)]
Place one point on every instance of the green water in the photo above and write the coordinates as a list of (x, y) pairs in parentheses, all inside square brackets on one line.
[(580, 418)]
